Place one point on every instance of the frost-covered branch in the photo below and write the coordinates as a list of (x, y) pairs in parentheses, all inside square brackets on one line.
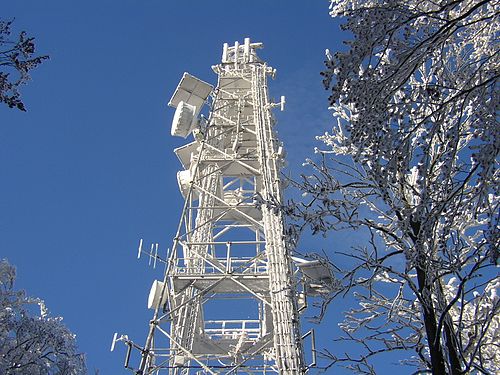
[(412, 164), (17, 59), (30, 343)]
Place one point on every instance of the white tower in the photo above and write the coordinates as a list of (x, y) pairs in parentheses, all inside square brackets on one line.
[(228, 301)]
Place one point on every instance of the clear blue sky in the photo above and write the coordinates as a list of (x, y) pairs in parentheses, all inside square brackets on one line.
[(89, 169)]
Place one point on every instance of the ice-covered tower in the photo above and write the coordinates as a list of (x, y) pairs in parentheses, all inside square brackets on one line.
[(228, 301)]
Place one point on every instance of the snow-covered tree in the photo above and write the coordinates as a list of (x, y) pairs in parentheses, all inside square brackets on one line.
[(32, 344), (412, 162), (17, 59)]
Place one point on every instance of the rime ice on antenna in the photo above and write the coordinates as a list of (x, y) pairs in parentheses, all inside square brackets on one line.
[(229, 300)]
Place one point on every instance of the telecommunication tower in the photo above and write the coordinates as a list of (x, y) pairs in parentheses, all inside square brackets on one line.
[(230, 298)]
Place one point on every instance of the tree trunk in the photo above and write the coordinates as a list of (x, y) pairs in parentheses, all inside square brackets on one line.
[(451, 339), (436, 353), (455, 363)]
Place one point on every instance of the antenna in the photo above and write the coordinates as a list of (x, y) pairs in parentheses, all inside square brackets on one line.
[(140, 249), (152, 253), (114, 341)]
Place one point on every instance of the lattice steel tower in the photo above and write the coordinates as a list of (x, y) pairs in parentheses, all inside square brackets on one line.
[(229, 300)]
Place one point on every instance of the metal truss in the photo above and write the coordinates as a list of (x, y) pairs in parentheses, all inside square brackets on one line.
[(228, 301)]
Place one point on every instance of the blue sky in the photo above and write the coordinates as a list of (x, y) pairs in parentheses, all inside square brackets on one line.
[(89, 169)]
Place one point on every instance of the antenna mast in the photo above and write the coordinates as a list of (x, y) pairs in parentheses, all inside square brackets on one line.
[(228, 302)]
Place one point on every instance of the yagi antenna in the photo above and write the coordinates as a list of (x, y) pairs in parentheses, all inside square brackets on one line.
[(152, 253)]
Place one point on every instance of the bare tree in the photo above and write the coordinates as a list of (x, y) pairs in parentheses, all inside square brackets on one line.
[(412, 162), (32, 344), (17, 59)]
